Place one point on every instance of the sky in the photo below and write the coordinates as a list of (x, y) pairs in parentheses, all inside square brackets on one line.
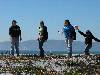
[(28, 14)]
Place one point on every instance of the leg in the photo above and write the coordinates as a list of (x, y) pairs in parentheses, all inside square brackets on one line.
[(17, 46), (12, 46), (41, 49), (69, 46), (88, 46)]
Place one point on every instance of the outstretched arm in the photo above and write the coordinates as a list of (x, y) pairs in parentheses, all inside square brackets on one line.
[(82, 33), (77, 28), (96, 39)]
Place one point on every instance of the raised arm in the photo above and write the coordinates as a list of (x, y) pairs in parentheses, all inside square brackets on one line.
[(82, 33), (77, 28)]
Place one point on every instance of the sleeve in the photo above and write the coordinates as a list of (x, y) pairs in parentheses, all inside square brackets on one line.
[(82, 33), (19, 31), (96, 39), (46, 29), (10, 31)]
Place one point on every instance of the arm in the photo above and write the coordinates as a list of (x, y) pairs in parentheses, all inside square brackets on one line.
[(82, 33), (9, 31), (77, 28), (96, 39), (20, 34)]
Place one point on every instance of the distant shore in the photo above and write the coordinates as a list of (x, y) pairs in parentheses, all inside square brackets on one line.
[(32, 52)]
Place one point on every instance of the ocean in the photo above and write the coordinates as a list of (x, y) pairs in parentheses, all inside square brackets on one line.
[(32, 52)]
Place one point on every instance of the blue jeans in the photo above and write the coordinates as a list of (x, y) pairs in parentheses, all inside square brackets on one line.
[(88, 46), (69, 42), (15, 45), (41, 47)]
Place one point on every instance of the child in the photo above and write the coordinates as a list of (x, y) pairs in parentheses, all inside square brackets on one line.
[(88, 39)]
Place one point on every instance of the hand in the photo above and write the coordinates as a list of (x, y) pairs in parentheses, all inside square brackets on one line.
[(20, 39), (76, 28), (40, 38)]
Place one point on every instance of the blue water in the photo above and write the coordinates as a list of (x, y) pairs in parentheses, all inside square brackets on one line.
[(47, 52)]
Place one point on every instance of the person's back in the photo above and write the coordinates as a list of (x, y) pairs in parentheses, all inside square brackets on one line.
[(45, 33), (89, 37)]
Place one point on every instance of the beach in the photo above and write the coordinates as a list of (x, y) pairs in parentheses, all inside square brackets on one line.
[(50, 65)]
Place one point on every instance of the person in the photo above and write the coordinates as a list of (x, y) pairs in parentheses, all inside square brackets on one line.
[(88, 39), (70, 35), (43, 36), (15, 34)]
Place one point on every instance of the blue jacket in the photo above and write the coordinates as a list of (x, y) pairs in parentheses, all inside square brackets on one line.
[(68, 31)]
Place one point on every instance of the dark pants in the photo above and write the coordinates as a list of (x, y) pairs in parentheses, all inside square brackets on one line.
[(88, 46), (41, 47)]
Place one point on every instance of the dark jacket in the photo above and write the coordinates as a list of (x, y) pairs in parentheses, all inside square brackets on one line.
[(14, 31), (44, 33), (88, 37)]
